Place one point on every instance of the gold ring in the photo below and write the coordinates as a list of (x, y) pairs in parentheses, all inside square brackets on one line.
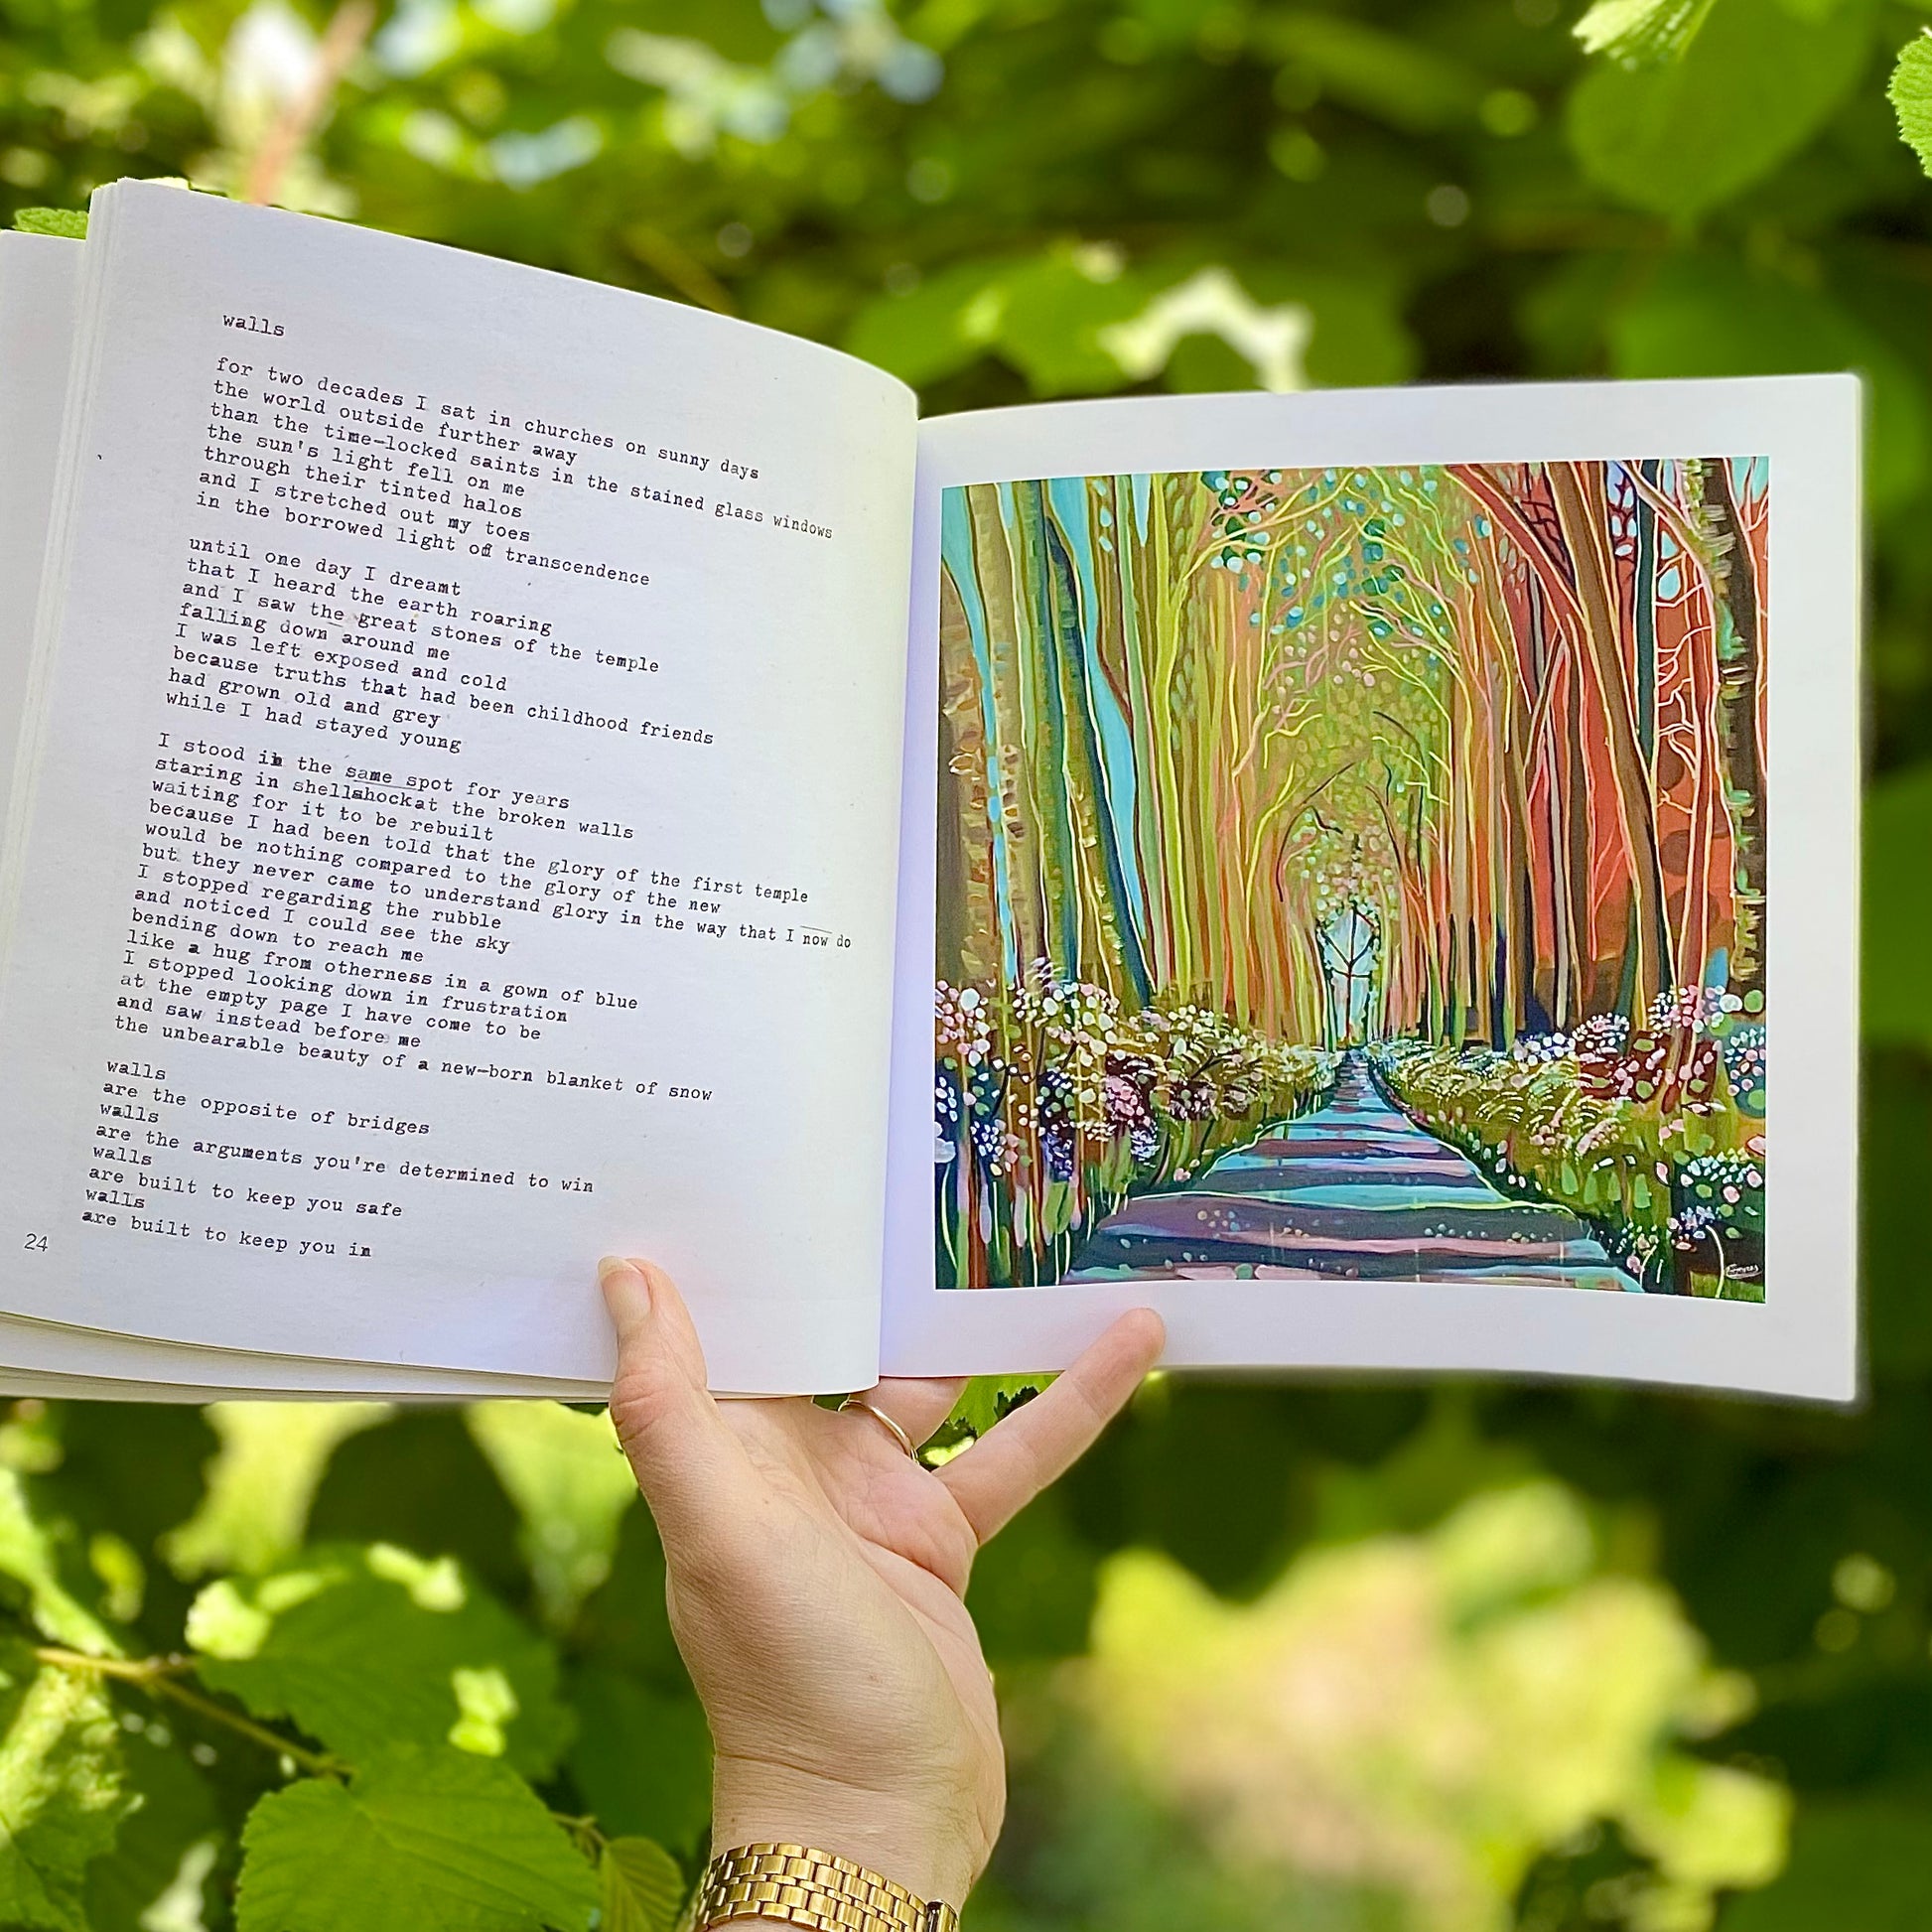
[(878, 1415)]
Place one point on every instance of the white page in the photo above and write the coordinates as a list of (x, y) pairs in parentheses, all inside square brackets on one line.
[(39, 312), (51, 1386), (37, 296), (124, 1363), (1801, 1338), (758, 644)]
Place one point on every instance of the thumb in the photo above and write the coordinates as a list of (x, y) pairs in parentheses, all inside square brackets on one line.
[(677, 1443)]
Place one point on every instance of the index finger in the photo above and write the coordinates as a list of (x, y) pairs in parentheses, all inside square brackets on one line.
[(1016, 1459)]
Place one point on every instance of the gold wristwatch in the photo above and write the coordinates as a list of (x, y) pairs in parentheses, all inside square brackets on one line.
[(792, 1884)]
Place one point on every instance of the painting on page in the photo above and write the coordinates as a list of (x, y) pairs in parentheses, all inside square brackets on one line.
[(1355, 875)]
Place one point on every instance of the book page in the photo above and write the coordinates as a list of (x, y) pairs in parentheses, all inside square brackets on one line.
[(464, 814), (1363, 853), (93, 1364), (39, 312), (37, 297)]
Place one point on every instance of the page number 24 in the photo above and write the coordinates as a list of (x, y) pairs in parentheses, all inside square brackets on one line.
[(37, 1244)]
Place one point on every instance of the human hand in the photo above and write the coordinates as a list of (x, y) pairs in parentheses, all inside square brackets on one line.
[(816, 1576)]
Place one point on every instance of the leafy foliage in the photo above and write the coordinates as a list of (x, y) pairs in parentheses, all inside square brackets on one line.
[(1639, 32), (172, 1847), (641, 1757), (1910, 93), (1754, 87), (29, 1559), (262, 1482), (70, 223), (639, 1888), (1476, 1630), (1860, 1869), (419, 1836), (361, 1648), (572, 1488), (61, 1789)]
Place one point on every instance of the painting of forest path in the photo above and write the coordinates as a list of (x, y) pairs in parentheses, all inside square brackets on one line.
[(1355, 1190), (1354, 875)]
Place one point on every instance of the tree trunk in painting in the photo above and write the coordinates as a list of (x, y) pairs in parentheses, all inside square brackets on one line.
[(1584, 516), (1739, 650)]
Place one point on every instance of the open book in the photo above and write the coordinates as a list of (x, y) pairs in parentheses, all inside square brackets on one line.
[(502, 770)]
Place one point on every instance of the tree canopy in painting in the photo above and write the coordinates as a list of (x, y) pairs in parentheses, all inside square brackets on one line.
[(1458, 766)]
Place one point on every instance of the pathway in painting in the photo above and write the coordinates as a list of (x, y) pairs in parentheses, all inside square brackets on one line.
[(1357, 1191)]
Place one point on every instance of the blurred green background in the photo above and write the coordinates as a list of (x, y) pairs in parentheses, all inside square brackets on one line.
[(1359, 1658)]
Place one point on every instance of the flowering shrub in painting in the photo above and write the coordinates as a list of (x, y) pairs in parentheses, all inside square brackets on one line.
[(1053, 1104), (1653, 1133)]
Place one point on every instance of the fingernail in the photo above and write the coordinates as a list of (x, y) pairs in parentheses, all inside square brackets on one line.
[(623, 1281)]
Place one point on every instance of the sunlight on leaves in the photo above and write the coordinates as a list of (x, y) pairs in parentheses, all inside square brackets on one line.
[(1213, 303), (572, 1489), (1432, 1713), (355, 1659), (27, 1554), (262, 1482), (264, 70), (1641, 32), (487, 1704), (69, 222), (161, 1870), (986, 1398)]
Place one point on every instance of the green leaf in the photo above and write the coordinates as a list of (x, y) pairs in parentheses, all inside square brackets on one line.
[(1360, 334), (60, 1790), (1706, 314), (626, 1625), (572, 1488), (1754, 87), (69, 222), (986, 1398), (26, 1556), (1896, 908), (640, 1887), (942, 325), (1392, 77), (450, 1506), (361, 1648), (420, 1840), (1054, 311), (1711, 1826), (130, 1468), (1855, 1868), (1641, 32), (262, 1482), (1910, 93), (642, 1756), (168, 1849), (1060, 319)]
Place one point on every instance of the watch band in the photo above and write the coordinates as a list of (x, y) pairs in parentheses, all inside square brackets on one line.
[(792, 1884)]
